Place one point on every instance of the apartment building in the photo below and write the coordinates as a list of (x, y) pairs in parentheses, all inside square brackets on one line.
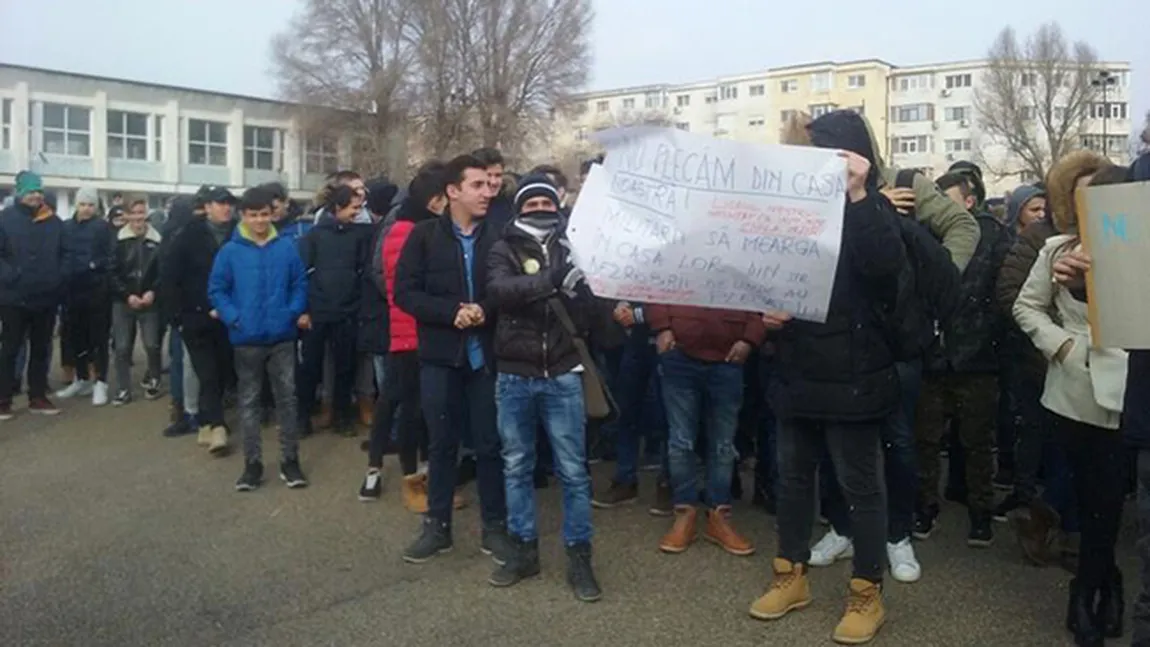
[(933, 121), (922, 116), (123, 136)]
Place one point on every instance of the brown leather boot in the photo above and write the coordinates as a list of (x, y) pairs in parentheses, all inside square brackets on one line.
[(721, 533), (325, 419), (681, 535), (366, 411), (415, 493)]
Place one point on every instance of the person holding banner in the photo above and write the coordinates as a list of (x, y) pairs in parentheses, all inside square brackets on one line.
[(835, 386)]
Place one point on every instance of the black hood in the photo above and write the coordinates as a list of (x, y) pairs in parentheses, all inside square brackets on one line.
[(181, 212), (411, 210), (847, 130)]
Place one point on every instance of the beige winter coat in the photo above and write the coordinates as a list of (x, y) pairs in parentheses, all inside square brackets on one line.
[(1089, 383)]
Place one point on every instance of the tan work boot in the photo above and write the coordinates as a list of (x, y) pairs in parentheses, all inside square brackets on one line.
[(720, 532), (864, 615), (790, 590), (415, 493), (204, 438), (326, 416), (366, 411), (682, 534), (219, 441)]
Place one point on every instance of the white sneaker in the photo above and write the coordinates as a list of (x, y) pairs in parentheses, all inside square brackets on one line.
[(831, 548), (904, 566), (74, 389), (100, 394)]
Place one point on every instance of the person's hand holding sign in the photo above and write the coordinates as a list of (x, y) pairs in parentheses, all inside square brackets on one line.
[(775, 320), (858, 167), (1071, 267)]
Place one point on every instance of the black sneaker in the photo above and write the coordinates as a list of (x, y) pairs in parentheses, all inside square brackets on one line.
[(524, 563), (291, 474), (151, 389), (615, 495), (123, 396), (580, 575), (372, 486), (981, 534), (662, 506), (498, 544), (434, 539), (1011, 503), (252, 477), (182, 427), (925, 522)]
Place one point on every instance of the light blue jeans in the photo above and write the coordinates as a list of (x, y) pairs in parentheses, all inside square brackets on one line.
[(557, 403)]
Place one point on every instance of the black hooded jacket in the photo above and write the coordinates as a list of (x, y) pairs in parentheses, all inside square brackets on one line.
[(843, 370), (185, 266), (335, 255)]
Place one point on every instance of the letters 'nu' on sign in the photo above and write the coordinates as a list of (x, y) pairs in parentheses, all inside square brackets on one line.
[(1113, 226), (679, 218)]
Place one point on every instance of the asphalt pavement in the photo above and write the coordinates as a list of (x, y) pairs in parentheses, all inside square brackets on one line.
[(113, 535)]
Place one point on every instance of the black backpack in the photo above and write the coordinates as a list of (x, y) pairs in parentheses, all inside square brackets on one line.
[(928, 287)]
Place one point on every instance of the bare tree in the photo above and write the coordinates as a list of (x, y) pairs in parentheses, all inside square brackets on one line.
[(1035, 99), (346, 62)]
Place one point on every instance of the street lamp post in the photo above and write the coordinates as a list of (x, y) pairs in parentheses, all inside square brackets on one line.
[(1104, 80)]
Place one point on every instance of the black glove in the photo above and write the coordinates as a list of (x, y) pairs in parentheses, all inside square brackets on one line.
[(559, 273)]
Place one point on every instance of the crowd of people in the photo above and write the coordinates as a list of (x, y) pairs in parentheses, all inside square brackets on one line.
[(449, 318)]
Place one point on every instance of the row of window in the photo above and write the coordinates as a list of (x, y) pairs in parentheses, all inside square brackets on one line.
[(926, 81), (67, 130), (820, 82), (1112, 143), (925, 144)]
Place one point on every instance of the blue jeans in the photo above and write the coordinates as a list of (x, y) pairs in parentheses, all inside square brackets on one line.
[(176, 365), (695, 393), (635, 372), (557, 403), (900, 466)]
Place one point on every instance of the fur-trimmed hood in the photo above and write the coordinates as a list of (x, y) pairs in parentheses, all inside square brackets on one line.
[(1060, 183)]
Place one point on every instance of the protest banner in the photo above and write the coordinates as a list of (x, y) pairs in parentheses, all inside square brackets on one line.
[(679, 218), (1115, 231)]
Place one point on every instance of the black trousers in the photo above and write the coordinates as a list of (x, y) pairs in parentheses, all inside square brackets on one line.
[(87, 326), (1098, 467), (341, 336), (400, 394), (212, 358), (34, 325)]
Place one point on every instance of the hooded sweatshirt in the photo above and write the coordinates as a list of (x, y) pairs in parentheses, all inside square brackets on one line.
[(844, 369), (1017, 201)]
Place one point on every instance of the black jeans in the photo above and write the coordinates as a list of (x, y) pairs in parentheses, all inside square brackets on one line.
[(1142, 602), (341, 336), (854, 449), (87, 326), (457, 401), (400, 394), (35, 325), (1032, 433), (1098, 467), (211, 355)]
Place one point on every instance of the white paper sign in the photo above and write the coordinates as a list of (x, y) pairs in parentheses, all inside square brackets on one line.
[(677, 218)]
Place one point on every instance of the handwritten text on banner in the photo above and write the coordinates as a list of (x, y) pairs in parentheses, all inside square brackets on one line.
[(674, 217)]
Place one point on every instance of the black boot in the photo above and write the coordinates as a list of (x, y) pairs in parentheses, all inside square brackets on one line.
[(1081, 619), (1112, 605), (497, 543), (521, 564), (580, 575)]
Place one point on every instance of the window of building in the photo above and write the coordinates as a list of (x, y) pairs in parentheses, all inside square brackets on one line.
[(910, 145), (683, 100), (1117, 143), (757, 122), (710, 97), (263, 148), (158, 138), (820, 109), (580, 134), (789, 85), (786, 115), (956, 113), (602, 106), (683, 125), (628, 104), (207, 142), (912, 82), (1117, 110), (758, 90), (915, 112), (729, 92), (1029, 79), (957, 145), (856, 81), (1027, 113), (959, 81), (127, 135), (321, 155), (6, 124), (653, 100), (822, 81), (67, 130)]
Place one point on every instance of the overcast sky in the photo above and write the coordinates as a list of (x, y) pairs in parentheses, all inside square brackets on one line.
[(223, 44)]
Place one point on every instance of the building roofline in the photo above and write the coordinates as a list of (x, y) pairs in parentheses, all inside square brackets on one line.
[(799, 66), (978, 62), (148, 84)]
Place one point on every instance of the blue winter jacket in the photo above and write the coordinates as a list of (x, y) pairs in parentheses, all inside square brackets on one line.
[(258, 291), (34, 258)]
